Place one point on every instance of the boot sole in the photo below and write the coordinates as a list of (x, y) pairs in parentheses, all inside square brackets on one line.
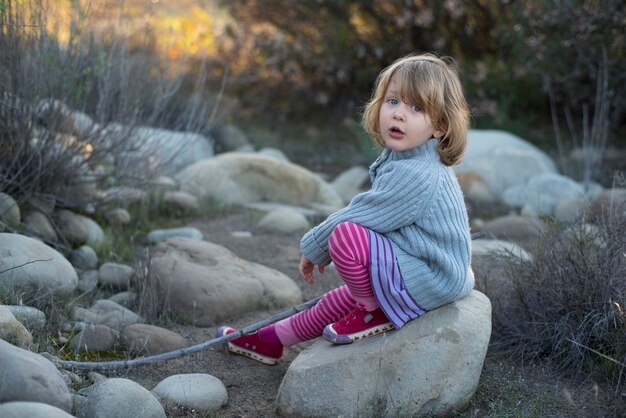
[(251, 354), (330, 335), (221, 331)]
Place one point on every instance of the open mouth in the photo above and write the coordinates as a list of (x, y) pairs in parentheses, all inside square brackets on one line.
[(395, 132)]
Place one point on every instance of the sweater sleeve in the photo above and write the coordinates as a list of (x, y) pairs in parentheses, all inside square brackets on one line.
[(401, 191)]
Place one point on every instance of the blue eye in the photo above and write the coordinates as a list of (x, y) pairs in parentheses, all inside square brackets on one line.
[(392, 101), (416, 108)]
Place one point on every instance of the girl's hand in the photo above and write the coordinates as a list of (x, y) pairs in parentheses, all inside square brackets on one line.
[(306, 269)]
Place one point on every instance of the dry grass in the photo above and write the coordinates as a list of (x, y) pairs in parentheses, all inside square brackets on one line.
[(45, 145), (573, 301)]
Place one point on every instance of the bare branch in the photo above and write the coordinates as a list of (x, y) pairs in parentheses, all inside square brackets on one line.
[(142, 361), (25, 264)]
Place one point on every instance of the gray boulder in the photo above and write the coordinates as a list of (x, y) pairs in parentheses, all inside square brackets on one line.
[(503, 159), (182, 201), (571, 209), (95, 234), (159, 235), (198, 391), (609, 201), (106, 312), (10, 213), (284, 220), (115, 275), (429, 368), (30, 377), (73, 226), (495, 263), (124, 196), (127, 299), (96, 338), (38, 224), (84, 258), (88, 281), (542, 192), (145, 339), (229, 138), (274, 153), (32, 318), (474, 187), (11, 330), (240, 178), (117, 216), (523, 230), (115, 398), (204, 283), (350, 182), (171, 150), (37, 270), (31, 410)]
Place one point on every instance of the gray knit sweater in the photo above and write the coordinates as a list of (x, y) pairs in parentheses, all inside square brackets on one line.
[(416, 202)]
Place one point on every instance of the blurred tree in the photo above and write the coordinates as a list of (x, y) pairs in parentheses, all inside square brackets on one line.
[(576, 48), (328, 50)]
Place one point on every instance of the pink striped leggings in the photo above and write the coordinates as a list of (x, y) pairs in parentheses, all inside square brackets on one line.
[(348, 246)]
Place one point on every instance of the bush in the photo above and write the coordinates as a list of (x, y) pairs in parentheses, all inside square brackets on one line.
[(68, 109), (573, 300)]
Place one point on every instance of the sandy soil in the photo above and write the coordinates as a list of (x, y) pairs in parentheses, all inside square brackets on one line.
[(506, 389)]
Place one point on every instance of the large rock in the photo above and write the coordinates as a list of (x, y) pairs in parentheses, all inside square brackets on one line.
[(145, 339), (172, 150), (503, 159), (115, 398), (31, 410), (10, 212), (609, 202), (542, 192), (159, 235), (474, 187), (349, 183), (523, 230), (240, 178), (106, 312), (36, 270), (229, 138), (115, 275), (73, 226), (30, 377), (11, 330), (204, 283), (96, 338), (198, 391), (431, 367), (32, 318), (284, 220), (38, 224), (495, 264), (55, 115)]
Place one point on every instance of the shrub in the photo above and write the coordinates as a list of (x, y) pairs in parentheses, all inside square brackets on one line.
[(573, 300), (68, 109)]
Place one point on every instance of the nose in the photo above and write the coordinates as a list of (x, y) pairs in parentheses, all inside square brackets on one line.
[(398, 114)]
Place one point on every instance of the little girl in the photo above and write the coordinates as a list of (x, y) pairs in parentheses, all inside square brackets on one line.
[(403, 247)]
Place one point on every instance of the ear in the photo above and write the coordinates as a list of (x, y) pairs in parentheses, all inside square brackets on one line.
[(439, 134)]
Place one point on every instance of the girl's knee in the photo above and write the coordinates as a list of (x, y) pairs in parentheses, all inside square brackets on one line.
[(341, 230)]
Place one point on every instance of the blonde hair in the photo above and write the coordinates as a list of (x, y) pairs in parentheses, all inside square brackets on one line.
[(433, 84)]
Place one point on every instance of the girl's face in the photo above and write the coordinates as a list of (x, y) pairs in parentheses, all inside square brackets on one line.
[(403, 126)]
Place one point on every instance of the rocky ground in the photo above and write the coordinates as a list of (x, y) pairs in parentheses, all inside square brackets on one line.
[(507, 388)]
